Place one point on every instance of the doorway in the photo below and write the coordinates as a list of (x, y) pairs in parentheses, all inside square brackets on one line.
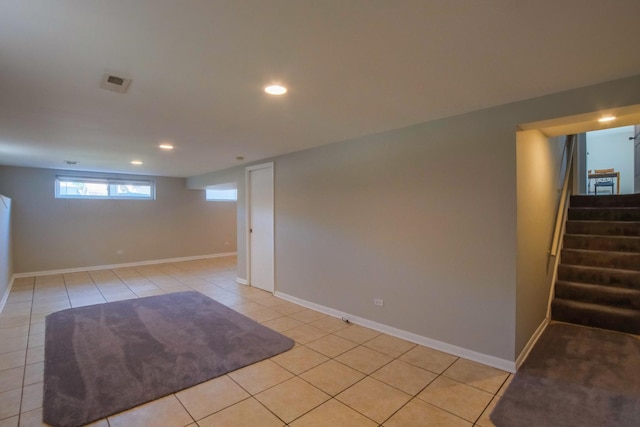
[(612, 150), (636, 156), (260, 227)]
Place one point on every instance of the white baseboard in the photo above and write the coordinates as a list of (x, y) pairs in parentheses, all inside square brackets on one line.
[(503, 364), (241, 281), (128, 264), (5, 297), (532, 341)]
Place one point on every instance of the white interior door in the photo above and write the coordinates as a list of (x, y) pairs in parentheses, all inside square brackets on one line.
[(260, 226)]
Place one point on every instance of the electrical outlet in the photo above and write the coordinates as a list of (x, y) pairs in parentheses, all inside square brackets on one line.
[(379, 302)]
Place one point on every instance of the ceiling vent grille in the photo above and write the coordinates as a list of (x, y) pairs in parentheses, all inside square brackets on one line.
[(115, 83)]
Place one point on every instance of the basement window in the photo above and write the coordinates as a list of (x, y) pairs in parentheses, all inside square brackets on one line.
[(73, 187), (221, 193)]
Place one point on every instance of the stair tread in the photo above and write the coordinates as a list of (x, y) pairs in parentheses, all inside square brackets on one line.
[(602, 288), (591, 221), (597, 307), (608, 269), (606, 236), (604, 207), (592, 199), (603, 251)]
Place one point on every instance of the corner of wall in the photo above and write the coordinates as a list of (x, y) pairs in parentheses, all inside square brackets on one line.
[(6, 258)]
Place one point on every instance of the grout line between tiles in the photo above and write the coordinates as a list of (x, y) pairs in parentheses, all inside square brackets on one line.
[(26, 355), (184, 407)]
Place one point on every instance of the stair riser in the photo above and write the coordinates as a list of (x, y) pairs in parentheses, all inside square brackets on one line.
[(604, 214), (594, 318), (620, 278), (626, 261), (602, 243), (596, 295), (604, 228), (606, 201)]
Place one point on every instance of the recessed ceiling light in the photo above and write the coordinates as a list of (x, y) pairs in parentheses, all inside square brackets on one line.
[(166, 146), (275, 90), (136, 162), (607, 119)]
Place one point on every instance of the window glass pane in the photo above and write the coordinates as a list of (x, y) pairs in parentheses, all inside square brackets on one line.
[(222, 195), (131, 190), (96, 189), (103, 188), (66, 188)]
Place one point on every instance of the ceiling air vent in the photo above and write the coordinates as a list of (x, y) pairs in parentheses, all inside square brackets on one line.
[(115, 83)]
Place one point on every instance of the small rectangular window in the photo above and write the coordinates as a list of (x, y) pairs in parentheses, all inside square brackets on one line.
[(227, 192), (72, 187), (228, 195)]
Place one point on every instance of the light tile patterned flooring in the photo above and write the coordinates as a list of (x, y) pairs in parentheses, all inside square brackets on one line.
[(336, 375)]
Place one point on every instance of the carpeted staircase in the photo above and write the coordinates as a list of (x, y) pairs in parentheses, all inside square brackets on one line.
[(599, 273)]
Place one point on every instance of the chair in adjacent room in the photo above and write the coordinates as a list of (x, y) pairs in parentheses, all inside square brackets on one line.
[(603, 182)]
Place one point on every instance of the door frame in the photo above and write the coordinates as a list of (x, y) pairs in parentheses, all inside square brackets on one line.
[(636, 158), (247, 184)]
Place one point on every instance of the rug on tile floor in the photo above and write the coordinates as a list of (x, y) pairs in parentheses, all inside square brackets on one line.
[(575, 376), (105, 358)]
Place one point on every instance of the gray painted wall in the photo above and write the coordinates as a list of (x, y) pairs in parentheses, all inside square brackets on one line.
[(410, 217), (6, 266), (424, 217), (51, 234)]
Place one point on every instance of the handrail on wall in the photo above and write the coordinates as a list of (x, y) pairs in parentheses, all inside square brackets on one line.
[(566, 192)]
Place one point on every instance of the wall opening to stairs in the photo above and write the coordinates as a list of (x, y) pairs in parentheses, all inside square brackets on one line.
[(539, 174)]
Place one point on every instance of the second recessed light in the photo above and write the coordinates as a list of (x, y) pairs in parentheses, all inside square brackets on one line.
[(166, 146), (275, 90), (136, 162)]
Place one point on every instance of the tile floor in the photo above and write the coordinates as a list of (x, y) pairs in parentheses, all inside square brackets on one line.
[(336, 375)]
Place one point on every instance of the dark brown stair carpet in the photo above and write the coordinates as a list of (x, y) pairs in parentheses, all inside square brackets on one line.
[(598, 258), (598, 294), (605, 214), (598, 280), (604, 228), (596, 315), (607, 243), (630, 200), (598, 275)]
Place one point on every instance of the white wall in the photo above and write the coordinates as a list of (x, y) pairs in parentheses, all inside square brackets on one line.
[(611, 148), (6, 264), (424, 217), (51, 234)]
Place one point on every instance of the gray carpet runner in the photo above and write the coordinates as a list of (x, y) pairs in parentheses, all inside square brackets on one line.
[(599, 273)]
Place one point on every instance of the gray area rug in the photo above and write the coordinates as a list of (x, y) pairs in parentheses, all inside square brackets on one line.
[(105, 358), (575, 376)]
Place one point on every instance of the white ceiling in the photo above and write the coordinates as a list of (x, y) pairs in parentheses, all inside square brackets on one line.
[(353, 67)]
